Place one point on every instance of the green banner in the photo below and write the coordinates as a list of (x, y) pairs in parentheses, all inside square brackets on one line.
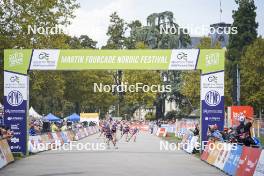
[(211, 60), (114, 59), (17, 60)]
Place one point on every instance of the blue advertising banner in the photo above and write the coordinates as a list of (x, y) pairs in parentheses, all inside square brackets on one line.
[(232, 161), (212, 101), (15, 109)]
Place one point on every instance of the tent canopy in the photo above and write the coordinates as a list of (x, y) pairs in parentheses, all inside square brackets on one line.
[(74, 117), (195, 113), (33, 113), (51, 117)]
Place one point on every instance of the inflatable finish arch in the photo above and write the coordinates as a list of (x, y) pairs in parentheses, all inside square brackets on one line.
[(17, 63)]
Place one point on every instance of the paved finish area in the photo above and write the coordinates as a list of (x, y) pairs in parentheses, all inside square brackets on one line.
[(141, 158)]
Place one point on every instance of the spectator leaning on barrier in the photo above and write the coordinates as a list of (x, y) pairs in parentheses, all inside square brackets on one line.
[(214, 134), (38, 127), (5, 133), (151, 127), (54, 127), (35, 127), (32, 131), (196, 130), (64, 126)]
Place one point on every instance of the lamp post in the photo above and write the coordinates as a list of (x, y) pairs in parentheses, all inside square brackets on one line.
[(166, 80), (118, 75)]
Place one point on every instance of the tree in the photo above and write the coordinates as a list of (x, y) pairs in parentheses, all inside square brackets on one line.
[(174, 115), (57, 92), (87, 42), (74, 42), (141, 45), (131, 40), (14, 22), (190, 88), (79, 89), (47, 91), (82, 42), (116, 32), (150, 116), (16, 16), (206, 43), (245, 21), (252, 73), (134, 100), (152, 36)]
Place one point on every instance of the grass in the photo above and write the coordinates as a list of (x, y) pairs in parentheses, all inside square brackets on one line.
[(172, 138), (18, 156)]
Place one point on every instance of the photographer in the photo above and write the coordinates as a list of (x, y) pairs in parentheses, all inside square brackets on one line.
[(243, 132)]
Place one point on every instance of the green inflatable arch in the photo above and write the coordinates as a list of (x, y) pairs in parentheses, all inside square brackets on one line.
[(18, 62)]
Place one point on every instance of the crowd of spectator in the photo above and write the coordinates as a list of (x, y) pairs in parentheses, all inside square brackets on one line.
[(38, 127), (240, 134)]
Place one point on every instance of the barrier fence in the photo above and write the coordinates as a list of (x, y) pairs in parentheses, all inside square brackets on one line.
[(258, 126), (233, 159), (141, 127), (6, 156), (59, 138), (47, 139)]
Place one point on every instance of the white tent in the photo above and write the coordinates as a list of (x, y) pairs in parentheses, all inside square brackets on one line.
[(33, 113), (1, 106)]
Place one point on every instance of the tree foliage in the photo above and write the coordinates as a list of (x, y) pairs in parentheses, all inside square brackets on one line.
[(65, 92), (152, 36), (150, 116), (58, 92), (116, 32), (81, 42), (245, 21), (190, 88), (16, 16), (174, 115), (205, 43), (252, 73), (190, 82)]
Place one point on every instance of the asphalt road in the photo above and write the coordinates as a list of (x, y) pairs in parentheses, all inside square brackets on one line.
[(140, 158)]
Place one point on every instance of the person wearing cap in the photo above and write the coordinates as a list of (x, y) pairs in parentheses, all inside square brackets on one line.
[(32, 131)]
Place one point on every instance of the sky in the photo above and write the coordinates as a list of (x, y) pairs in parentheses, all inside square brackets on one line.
[(92, 18)]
